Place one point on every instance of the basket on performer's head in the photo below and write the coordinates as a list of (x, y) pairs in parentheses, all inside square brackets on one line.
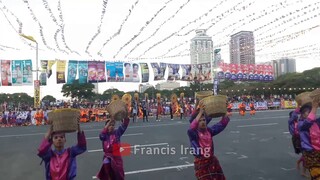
[(64, 120), (215, 105), (304, 98), (118, 110), (158, 97), (115, 97), (127, 99), (315, 95), (202, 94), (136, 96), (174, 98)]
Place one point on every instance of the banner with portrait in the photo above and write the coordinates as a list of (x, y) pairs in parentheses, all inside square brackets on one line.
[(43, 79), (186, 72), (127, 72), (144, 72), (27, 72), (49, 70), (118, 72), (173, 72), (158, 70), (61, 68), (135, 72), (6, 73), (92, 72), (101, 71), (83, 72), (17, 75), (72, 71)]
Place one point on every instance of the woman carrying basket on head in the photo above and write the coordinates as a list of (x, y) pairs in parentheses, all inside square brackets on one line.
[(206, 164), (309, 130), (112, 167), (60, 163)]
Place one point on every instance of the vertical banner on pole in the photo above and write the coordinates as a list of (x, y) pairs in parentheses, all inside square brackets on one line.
[(6, 73), (36, 93), (72, 71), (144, 72), (17, 73), (83, 72), (61, 66), (27, 72), (92, 72), (135, 73), (118, 66), (101, 71), (49, 70)]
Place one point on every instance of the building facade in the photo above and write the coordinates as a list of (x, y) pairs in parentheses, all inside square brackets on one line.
[(201, 48), (144, 87), (242, 48), (283, 66), (167, 85)]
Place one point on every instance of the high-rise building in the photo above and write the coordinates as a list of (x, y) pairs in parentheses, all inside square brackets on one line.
[(143, 87), (201, 48), (242, 49), (283, 66)]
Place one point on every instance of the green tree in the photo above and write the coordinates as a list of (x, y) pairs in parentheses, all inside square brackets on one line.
[(107, 94), (49, 98), (77, 90)]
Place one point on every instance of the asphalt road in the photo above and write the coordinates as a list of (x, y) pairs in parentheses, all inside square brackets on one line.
[(250, 148)]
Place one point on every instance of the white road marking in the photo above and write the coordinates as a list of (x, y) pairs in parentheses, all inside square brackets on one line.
[(257, 125), (179, 167), (243, 157), (290, 169), (136, 134), (137, 145)]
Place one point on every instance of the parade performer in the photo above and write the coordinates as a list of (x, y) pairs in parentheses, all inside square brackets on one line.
[(206, 164), (112, 167), (252, 109), (296, 142), (242, 109), (38, 116), (60, 163), (309, 130)]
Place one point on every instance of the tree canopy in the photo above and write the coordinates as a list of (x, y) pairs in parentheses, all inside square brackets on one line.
[(77, 90)]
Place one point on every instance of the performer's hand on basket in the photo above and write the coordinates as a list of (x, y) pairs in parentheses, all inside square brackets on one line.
[(49, 132), (79, 129), (315, 103)]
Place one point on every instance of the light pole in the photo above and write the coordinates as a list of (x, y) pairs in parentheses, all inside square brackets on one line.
[(36, 83)]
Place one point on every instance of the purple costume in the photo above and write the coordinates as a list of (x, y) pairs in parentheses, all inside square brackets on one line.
[(61, 165)]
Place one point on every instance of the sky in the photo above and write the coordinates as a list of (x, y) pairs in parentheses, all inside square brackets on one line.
[(153, 31)]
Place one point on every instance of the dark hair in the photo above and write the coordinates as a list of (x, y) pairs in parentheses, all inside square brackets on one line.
[(125, 64), (306, 107), (135, 65), (290, 113)]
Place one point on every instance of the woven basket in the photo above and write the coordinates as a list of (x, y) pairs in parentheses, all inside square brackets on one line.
[(202, 94), (126, 98), (118, 110), (115, 97), (215, 106), (64, 120), (315, 95), (304, 98)]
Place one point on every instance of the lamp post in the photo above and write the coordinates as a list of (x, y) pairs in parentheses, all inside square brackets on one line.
[(36, 84)]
